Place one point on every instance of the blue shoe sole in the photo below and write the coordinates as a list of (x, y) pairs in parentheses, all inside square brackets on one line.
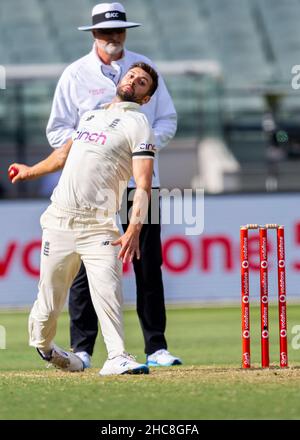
[(170, 364), (140, 370)]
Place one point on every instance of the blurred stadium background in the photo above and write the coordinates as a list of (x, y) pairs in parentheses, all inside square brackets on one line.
[(228, 66)]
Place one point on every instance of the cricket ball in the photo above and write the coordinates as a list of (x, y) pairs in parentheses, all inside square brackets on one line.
[(13, 172)]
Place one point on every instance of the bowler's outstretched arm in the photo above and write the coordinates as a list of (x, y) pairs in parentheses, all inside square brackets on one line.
[(54, 162)]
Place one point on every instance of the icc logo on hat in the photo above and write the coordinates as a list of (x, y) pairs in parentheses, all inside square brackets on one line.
[(112, 15), (108, 16)]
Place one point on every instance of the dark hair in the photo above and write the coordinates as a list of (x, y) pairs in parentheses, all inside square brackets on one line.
[(147, 68)]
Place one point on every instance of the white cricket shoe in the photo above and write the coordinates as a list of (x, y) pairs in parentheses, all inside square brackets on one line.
[(64, 360), (85, 357), (162, 358), (123, 364)]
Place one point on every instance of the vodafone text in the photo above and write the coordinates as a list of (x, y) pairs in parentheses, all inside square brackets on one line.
[(181, 254)]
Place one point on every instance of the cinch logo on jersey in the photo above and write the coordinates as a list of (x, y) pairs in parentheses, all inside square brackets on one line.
[(86, 136), (148, 147)]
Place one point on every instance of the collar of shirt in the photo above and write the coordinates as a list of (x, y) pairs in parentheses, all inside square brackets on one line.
[(112, 71), (123, 105), (115, 65)]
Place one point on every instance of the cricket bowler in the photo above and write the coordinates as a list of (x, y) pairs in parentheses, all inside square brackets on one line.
[(110, 145)]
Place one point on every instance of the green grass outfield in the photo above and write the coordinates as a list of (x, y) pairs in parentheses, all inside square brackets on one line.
[(210, 384)]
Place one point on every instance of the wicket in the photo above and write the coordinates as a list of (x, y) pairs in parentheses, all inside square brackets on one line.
[(264, 294)]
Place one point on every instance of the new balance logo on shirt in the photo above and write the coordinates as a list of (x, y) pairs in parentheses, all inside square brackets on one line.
[(114, 123), (90, 118), (46, 251)]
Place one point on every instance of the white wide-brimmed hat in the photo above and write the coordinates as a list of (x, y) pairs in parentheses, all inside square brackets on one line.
[(108, 16)]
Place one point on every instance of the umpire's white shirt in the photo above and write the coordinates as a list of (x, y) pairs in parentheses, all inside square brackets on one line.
[(84, 86), (99, 163)]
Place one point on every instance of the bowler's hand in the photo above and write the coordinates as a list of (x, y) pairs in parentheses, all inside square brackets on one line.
[(129, 246), (24, 172)]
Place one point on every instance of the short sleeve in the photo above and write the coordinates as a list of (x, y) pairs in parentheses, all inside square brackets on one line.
[(142, 140)]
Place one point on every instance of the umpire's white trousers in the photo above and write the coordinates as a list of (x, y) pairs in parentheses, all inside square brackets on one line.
[(68, 238)]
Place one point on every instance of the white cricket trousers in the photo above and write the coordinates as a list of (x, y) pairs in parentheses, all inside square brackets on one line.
[(68, 238)]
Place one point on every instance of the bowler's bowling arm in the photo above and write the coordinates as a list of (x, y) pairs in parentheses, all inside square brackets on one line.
[(54, 162), (142, 173)]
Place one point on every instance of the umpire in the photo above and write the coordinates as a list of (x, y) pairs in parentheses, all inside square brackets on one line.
[(85, 85)]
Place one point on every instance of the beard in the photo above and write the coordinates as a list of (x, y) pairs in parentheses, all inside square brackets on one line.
[(111, 48), (126, 95)]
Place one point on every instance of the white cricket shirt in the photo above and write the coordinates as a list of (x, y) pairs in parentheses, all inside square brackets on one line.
[(99, 163), (84, 86)]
